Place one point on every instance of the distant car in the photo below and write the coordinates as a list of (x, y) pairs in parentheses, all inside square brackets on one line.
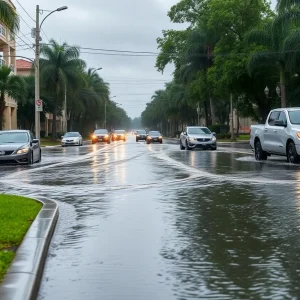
[(197, 137), (101, 135), (71, 139), (141, 135), (154, 137), (119, 135), (19, 146)]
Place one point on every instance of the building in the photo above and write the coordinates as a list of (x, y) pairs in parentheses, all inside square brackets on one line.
[(8, 58), (24, 68)]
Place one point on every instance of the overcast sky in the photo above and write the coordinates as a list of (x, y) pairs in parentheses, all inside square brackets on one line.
[(108, 24)]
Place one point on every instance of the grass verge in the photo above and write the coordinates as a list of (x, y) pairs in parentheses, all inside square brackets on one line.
[(48, 142), (16, 215)]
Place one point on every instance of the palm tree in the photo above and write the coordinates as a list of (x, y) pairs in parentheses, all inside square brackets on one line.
[(9, 16), (10, 86), (60, 67)]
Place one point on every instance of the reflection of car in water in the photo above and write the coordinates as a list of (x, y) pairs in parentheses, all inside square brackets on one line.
[(119, 135), (71, 138), (101, 135), (19, 146), (197, 137), (154, 137), (141, 135)]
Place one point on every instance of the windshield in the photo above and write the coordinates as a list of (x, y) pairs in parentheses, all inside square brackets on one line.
[(154, 133), (101, 131), (295, 117), (120, 131), (72, 134), (141, 132), (198, 130), (14, 137)]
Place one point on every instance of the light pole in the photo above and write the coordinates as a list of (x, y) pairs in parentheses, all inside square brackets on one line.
[(105, 111), (198, 112), (37, 64)]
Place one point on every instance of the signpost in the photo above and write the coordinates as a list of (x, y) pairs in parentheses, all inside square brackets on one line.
[(39, 105)]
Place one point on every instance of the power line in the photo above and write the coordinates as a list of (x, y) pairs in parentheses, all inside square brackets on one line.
[(25, 11)]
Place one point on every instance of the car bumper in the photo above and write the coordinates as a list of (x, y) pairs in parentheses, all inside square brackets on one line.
[(119, 138), (14, 159), (101, 140), (70, 143), (154, 140), (141, 138), (203, 145)]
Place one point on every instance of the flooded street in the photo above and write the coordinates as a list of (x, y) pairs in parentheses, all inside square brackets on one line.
[(145, 222)]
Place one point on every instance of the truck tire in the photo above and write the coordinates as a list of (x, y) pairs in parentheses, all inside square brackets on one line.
[(260, 154), (292, 155)]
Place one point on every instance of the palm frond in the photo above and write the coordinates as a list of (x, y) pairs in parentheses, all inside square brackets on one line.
[(261, 59), (261, 36), (291, 50), (284, 5), (9, 16)]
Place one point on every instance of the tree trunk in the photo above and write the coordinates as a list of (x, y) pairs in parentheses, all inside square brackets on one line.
[(2, 107), (282, 86), (237, 123), (212, 109), (206, 113), (54, 124)]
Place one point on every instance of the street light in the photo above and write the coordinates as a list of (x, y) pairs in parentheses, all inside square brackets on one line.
[(198, 112), (37, 65), (278, 90), (267, 91), (105, 111)]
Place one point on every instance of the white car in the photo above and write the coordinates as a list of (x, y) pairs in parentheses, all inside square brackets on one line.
[(71, 139)]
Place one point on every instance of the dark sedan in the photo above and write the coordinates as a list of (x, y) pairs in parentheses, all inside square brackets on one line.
[(141, 135), (19, 146), (154, 137), (101, 135), (119, 135)]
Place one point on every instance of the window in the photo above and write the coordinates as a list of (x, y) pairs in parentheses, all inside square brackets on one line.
[(282, 117), (273, 117), (2, 30), (295, 117)]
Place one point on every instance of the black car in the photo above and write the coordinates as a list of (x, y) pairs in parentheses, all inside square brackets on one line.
[(101, 135), (154, 137), (119, 135), (141, 135), (19, 147)]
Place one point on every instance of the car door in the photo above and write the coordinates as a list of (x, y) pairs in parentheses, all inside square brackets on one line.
[(280, 134), (270, 144), (35, 148)]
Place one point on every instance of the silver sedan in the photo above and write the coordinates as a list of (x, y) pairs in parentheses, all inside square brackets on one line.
[(194, 137), (71, 139)]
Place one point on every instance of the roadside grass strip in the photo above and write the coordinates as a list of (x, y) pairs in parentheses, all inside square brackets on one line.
[(16, 215)]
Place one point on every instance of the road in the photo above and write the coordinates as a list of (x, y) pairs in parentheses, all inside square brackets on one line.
[(144, 222)]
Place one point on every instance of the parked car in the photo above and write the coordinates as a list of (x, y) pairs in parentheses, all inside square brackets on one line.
[(119, 135), (101, 135), (280, 135), (141, 135), (71, 139), (196, 137), (154, 137), (19, 146)]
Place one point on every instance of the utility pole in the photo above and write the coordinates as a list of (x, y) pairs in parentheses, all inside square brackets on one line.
[(65, 111), (37, 72), (198, 112), (105, 114), (231, 112)]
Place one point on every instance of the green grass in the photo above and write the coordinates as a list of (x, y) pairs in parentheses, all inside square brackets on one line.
[(16, 215), (47, 142)]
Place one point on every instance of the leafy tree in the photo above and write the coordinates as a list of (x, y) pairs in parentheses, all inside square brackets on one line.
[(10, 86), (9, 16)]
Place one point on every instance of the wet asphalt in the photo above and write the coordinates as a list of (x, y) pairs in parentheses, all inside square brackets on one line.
[(144, 222)]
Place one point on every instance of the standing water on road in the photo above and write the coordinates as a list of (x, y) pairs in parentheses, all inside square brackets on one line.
[(152, 222)]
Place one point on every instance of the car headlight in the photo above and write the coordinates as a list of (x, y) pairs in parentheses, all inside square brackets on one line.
[(138, 135), (213, 138), (94, 136), (23, 150), (192, 139), (298, 135), (160, 137)]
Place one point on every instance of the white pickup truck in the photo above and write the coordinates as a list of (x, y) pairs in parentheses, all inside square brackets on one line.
[(280, 135)]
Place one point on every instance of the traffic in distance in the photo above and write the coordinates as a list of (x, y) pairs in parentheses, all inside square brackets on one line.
[(280, 135)]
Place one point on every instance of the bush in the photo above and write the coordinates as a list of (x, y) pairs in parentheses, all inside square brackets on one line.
[(224, 136), (219, 128)]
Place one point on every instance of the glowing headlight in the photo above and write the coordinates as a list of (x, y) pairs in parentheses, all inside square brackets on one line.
[(160, 137), (106, 136), (213, 138), (298, 135), (94, 136), (192, 140), (23, 150)]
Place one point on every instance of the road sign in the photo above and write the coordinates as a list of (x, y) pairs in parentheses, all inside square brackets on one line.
[(39, 105)]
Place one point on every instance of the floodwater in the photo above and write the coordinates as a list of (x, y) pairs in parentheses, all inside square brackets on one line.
[(145, 222)]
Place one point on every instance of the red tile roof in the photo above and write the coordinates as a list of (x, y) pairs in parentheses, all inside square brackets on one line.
[(23, 64)]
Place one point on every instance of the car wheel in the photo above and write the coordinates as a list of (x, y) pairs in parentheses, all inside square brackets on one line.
[(214, 149), (292, 155), (187, 146), (136, 140), (30, 159), (108, 142), (93, 142), (181, 146), (260, 154), (160, 142), (148, 142)]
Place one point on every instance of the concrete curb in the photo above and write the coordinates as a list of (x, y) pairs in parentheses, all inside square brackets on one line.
[(23, 278)]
